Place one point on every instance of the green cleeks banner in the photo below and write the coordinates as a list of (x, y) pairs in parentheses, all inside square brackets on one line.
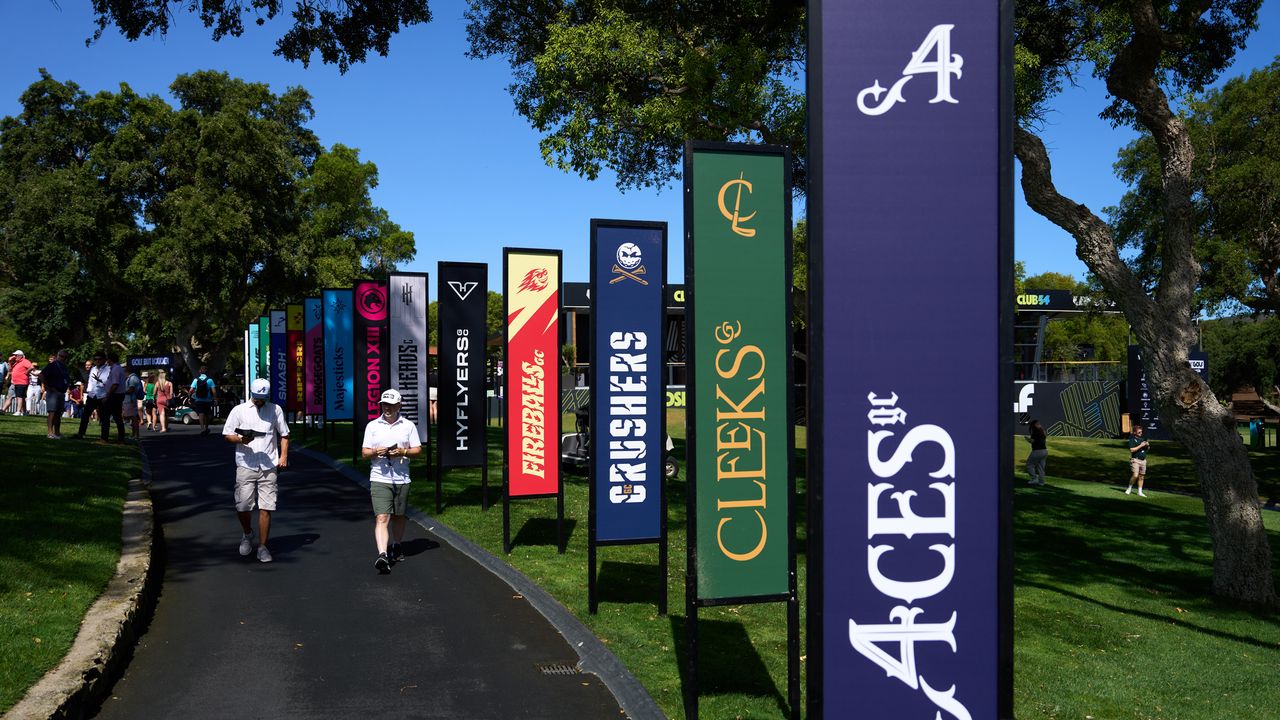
[(738, 267)]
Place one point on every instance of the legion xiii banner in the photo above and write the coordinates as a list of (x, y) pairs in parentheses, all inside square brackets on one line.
[(738, 265), (532, 287), (371, 352), (912, 270), (463, 296), (627, 271)]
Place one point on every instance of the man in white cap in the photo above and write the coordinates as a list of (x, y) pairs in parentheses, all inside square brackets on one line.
[(389, 442), (261, 436)]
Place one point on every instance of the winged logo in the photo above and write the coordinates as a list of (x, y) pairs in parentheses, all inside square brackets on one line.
[(462, 289)]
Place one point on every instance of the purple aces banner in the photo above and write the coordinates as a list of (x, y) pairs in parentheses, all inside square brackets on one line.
[(628, 264), (911, 275), (313, 355)]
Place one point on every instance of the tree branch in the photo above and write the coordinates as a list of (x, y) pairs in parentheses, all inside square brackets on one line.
[(1133, 77), (1094, 242)]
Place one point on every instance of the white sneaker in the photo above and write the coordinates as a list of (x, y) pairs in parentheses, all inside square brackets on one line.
[(1128, 490), (264, 555), (1141, 494), (246, 545)]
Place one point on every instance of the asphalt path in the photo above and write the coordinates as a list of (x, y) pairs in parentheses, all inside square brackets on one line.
[(318, 633)]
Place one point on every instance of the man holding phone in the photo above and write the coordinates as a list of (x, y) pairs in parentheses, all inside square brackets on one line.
[(389, 442), (261, 436)]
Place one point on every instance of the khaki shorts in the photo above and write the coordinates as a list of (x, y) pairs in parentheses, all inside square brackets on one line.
[(1138, 466), (389, 499), (255, 489)]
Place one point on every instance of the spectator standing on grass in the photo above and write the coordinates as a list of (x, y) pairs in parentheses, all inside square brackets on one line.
[(132, 401), (19, 376), (114, 406), (389, 442), (202, 389), (261, 435), (35, 397), (1039, 452), (164, 398), (75, 399), (1137, 460), (96, 393), (4, 375), (54, 379)]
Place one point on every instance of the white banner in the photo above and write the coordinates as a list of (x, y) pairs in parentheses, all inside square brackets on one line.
[(407, 296)]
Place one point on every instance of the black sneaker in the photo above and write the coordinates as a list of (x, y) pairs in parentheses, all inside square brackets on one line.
[(382, 564), (395, 554)]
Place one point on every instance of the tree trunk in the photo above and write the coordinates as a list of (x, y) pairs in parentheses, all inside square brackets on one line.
[(1241, 553)]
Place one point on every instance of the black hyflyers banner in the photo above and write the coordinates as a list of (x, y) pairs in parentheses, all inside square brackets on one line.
[(464, 294)]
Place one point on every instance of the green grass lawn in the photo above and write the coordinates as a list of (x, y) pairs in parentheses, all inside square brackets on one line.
[(60, 515), (1113, 617)]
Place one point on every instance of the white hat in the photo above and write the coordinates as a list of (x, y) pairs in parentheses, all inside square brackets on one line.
[(391, 397), (260, 388), (19, 353)]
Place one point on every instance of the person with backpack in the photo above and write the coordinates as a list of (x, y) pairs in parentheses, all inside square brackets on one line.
[(202, 389)]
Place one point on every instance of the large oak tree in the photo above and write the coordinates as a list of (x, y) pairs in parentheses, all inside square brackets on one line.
[(1147, 52)]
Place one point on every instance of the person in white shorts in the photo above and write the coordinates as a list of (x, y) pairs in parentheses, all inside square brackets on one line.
[(389, 442), (261, 436)]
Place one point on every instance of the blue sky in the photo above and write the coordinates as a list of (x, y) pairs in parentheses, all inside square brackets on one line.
[(457, 166)]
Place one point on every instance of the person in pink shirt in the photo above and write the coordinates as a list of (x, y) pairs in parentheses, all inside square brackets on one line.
[(20, 377)]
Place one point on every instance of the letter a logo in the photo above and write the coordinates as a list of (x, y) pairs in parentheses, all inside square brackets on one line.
[(462, 289), (947, 64)]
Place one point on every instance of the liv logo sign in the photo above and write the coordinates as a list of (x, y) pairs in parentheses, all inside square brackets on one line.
[(910, 573)]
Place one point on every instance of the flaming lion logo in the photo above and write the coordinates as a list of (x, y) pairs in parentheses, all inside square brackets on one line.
[(535, 280)]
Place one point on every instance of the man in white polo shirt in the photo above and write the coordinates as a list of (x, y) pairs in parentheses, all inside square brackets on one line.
[(389, 442), (261, 436)]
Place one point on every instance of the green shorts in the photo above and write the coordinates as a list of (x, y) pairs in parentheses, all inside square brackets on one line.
[(389, 499)]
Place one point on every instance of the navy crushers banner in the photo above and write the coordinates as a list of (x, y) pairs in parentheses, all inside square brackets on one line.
[(371, 352), (461, 413), (279, 358), (339, 354), (627, 269), (911, 274), (628, 417), (407, 295)]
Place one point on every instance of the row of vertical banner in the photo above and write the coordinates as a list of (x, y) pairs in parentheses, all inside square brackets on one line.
[(909, 514), (333, 356)]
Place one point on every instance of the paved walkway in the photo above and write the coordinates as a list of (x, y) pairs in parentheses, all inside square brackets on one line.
[(318, 633)]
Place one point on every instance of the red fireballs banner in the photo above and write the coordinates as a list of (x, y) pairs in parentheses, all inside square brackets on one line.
[(532, 296), (371, 351)]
